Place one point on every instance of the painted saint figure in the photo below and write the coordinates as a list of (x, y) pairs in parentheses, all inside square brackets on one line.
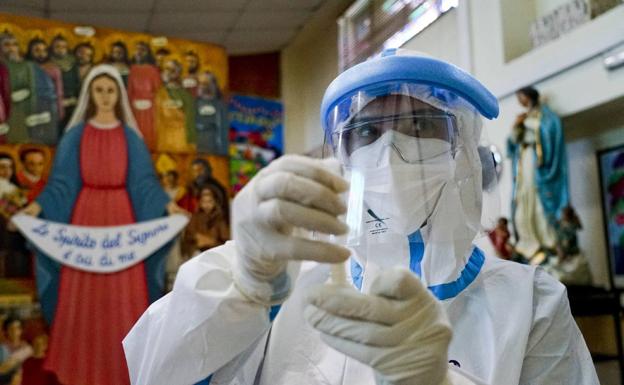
[(5, 101), (63, 58), (8, 183), (84, 53), (200, 177), (160, 56), (118, 58), (15, 261), (540, 174), (211, 119), (33, 98), (143, 84), (38, 52), (102, 176), (34, 373), (190, 80), (208, 227), (13, 351), (170, 182), (31, 178), (175, 112)]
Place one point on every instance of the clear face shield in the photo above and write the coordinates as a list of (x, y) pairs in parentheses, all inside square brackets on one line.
[(418, 176)]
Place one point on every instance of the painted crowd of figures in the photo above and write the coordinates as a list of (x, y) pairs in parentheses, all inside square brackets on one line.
[(20, 183), (121, 114), (178, 108)]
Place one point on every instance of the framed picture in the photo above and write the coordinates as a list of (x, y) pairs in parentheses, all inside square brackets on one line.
[(611, 165)]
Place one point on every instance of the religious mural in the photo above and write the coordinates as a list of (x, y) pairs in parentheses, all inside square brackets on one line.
[(114, 170)]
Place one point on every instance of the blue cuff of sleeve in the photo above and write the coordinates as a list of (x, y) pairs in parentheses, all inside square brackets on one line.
[(205, 381)]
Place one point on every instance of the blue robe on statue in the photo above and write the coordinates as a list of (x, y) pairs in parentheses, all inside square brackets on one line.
[(551, 177), (60, 194)]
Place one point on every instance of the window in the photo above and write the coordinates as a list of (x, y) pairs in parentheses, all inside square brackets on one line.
[(369, 26)]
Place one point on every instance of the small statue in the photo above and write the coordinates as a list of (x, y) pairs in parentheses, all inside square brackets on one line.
[(500, 236), (566, 228), (568, 264)]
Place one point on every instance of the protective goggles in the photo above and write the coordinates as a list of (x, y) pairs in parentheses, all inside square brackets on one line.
[(405, 123), (362, 132)]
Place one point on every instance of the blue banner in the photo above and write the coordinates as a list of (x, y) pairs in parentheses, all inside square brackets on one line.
[(256, 136)]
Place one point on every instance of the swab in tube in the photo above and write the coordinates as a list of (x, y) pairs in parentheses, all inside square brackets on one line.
[(338, 275)]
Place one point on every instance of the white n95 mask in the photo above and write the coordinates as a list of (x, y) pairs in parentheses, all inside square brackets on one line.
[(397, 194)]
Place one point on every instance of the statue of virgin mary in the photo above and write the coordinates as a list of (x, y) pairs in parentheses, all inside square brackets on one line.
[(540, 176)]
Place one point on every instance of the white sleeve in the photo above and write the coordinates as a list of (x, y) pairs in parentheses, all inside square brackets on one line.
[(201, 326), (556, 352)]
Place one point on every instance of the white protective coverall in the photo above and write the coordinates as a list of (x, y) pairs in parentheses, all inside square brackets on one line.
[(511, 325)]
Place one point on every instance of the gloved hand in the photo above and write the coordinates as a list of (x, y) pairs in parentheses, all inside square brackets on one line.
[(399, 329), (292, 192)]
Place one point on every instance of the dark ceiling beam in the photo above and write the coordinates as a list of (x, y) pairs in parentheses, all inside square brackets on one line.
[(46, 9)]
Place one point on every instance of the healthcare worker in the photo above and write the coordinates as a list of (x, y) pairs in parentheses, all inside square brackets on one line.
[(421, 304)]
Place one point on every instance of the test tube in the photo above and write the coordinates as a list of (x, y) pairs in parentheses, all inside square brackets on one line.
[(338, 275)]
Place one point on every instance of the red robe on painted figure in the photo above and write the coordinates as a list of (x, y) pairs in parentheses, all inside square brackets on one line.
[(33, 373), (143, 84), (32, 188), (5, 93), (5, 101), (96, 311), (102, 175)]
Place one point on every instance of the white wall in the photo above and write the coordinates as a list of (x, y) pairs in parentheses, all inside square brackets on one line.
[(308, 65), (543, 7), (440, 39), (516, 18), (585, 43)]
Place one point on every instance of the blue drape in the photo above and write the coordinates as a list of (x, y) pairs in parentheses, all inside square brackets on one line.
[(551, 177)]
